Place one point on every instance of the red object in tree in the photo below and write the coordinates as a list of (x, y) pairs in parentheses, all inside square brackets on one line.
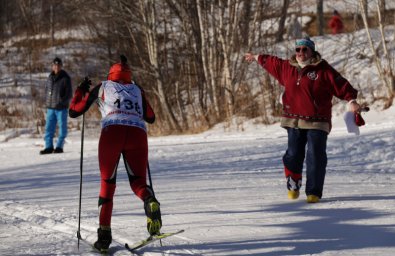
[(336, 24)]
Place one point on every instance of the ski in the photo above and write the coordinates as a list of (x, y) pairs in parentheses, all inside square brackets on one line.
[(103, 252), (92, 247), (150, 240), (111, 250), (97, 251)]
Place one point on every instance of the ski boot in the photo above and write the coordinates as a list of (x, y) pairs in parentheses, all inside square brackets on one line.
[(292, 194), (104, 240), (293, 187), (311, 199), (154, 220)]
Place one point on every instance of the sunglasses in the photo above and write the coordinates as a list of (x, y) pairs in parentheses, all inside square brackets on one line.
[(303, 49)]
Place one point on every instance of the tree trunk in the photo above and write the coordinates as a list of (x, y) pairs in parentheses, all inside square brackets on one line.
[(388, 72), (281, 25), (180, 106), (387, 81), (365, 9), (149, 15), (320, 17), (193, 17), (51, 23), (228, 20), (206, 58)]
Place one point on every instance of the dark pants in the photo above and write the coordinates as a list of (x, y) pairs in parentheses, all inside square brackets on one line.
[(316, 158)]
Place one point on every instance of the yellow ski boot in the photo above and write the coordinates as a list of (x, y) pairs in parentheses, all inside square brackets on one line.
[(292, 194), (154, 220), (311, 199)]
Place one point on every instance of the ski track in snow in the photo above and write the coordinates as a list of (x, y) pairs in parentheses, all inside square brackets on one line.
[(51, 228), (227, 192)]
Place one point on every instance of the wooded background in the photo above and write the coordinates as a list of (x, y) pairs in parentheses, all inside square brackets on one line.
[(187, 54)]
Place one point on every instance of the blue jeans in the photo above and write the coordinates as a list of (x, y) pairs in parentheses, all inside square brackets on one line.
[(55, 116), (316, 159)]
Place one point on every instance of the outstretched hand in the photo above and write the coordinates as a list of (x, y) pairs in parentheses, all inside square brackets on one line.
[(250, 57)]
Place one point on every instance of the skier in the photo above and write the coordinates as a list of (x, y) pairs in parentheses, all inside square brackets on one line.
[(310, 84), (124, 109)]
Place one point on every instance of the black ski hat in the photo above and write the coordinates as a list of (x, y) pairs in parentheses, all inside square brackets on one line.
[(57, 61)]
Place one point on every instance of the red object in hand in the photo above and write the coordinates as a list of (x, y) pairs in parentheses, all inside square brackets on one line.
[(359, 120)]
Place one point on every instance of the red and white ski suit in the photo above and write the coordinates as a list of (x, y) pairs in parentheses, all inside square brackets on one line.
[(124, 110)]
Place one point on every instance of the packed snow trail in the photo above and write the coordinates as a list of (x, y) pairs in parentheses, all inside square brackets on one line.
[(226, 190)]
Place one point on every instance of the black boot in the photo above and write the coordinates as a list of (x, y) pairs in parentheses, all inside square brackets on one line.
[(46, 151), (154, 220), (104, 239), (58, 150)]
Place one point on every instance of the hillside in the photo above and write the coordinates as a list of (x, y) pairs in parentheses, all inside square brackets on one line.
[(25, 64)]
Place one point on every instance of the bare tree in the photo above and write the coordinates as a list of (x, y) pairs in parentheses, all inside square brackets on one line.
[(149, 15), (187, 54), (364, 6), (281, 24), (384, 66), (204, 47), (52, 23), (320, 17)]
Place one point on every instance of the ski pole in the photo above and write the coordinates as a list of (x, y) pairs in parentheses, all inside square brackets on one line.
[(152, 189), (81, 164), (150, 179)]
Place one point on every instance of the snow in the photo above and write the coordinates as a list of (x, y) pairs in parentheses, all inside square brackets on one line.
[(339, 5), (225, 188), (82, 33)]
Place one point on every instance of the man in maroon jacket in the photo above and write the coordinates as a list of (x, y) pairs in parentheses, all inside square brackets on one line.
[(310, 84)]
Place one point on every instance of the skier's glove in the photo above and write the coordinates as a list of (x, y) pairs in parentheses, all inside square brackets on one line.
[(85, 85)]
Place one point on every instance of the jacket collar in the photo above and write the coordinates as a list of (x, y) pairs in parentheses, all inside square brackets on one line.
[(58, 75), (314, 61)]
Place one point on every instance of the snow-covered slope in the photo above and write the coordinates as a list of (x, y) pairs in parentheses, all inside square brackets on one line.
[(225, 189)]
